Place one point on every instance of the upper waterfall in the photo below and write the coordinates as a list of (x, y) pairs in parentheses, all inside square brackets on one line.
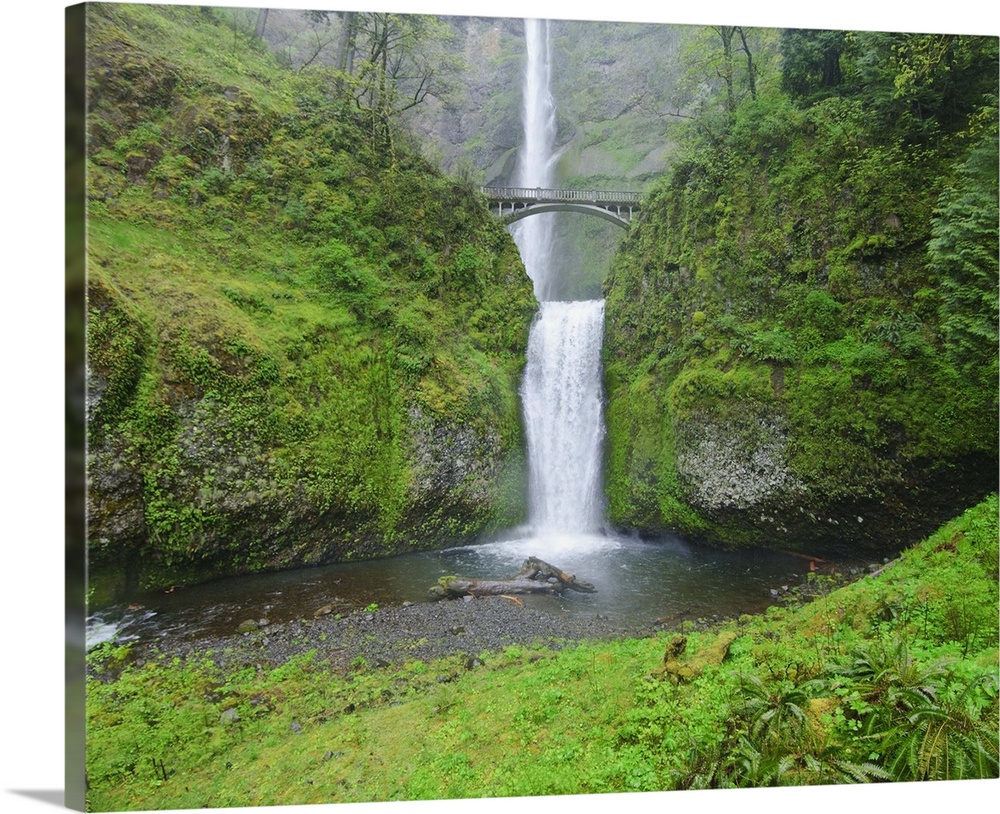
[(537, 156)]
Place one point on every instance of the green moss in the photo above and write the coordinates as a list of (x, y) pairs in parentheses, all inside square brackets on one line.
[(118, 347), (780, 269), (269, 303), (642, 487)]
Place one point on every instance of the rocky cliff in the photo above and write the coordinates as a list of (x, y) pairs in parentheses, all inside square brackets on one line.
[(801, 329), (303, 343)]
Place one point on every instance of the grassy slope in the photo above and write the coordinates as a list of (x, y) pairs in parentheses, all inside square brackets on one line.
[(793, 702)]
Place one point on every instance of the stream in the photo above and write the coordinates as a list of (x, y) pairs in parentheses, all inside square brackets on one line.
[(638, 581)]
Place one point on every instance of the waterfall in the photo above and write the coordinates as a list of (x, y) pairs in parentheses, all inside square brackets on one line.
[(534, 235), (561, 396), (561, 392)]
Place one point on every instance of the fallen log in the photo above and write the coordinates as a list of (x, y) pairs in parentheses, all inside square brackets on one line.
[(535, 576)]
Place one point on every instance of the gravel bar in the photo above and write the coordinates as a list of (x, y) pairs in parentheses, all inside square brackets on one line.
[(394, 634)]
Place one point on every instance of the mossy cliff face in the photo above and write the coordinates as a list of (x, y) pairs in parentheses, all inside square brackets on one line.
[(801, 328), (303, 342)]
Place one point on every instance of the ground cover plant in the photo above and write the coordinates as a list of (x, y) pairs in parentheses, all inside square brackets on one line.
[(890, 678)]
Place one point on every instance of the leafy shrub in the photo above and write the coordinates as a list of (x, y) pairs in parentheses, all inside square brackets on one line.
[(775, 345), (824, 313), (141, 140), (216, 181)]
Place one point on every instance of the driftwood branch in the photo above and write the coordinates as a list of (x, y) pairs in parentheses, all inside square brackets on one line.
[(535, 576)]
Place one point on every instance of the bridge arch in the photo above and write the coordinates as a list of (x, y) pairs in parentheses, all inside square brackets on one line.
[(515, 203), (586, 209)]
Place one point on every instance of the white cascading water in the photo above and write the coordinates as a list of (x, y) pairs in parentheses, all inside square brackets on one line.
[(561, 392), (534, 235)]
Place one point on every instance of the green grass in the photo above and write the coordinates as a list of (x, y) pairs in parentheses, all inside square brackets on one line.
[(798, 700), (208, 44), (512, 727)]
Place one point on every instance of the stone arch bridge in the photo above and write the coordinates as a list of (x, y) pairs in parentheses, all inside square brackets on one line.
[(514, 203)]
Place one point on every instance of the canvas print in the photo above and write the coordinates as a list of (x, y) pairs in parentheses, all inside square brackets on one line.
[(487, 407)]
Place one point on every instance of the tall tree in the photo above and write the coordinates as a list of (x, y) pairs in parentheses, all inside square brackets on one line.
[(258, 30), (751, 67), (319, 37), (401, 60), (811, 63), (726, 71), (921, 85), (345, 44), (723, 66)]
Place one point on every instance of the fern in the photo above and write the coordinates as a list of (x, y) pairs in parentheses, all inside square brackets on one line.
[(860, 772), (911, 720), (963, 252)]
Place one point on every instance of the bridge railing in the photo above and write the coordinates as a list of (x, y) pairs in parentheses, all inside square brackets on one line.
[(560, 195)]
